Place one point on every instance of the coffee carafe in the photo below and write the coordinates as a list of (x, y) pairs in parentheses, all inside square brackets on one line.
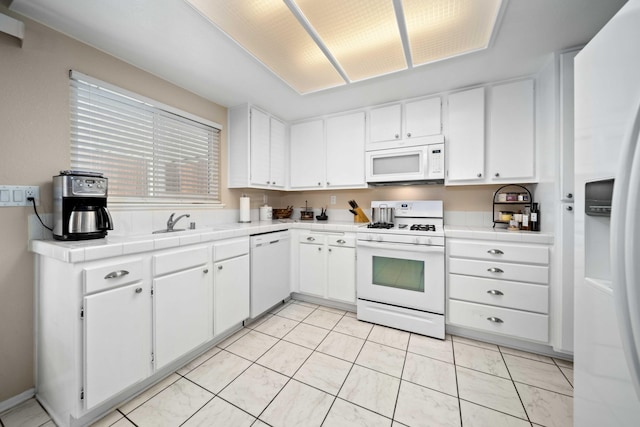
[(80, 206)]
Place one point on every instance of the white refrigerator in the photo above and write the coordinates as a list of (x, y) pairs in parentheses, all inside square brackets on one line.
[(607, 240)]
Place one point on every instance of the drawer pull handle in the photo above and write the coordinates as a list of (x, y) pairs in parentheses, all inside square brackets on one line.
[(495, 252), (116, 274), (342, 242), (138, 290), (311, 239), (205, 271), (494, 270), (494, 292), (219, 267), (495, 319)]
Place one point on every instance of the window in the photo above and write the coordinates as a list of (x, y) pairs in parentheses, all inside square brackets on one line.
[(151, 153)]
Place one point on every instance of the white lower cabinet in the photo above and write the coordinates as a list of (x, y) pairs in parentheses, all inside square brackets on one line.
[(117, 340), (327, 265), (182, 303), (231, 283), (499, 287)]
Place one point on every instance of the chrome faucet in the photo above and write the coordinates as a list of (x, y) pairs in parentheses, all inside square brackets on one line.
[(172, 222)]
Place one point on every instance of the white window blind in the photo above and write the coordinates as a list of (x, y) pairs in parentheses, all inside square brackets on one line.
[(149, 151)]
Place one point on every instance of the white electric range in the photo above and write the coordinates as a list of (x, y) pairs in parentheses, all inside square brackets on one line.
[(401, 266)]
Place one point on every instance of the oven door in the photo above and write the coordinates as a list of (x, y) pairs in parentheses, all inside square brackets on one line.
[(405, 275)]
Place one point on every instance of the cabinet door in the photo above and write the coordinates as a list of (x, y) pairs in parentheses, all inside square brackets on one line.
[(465, 147), (345, 151), (341, 274), (277, 153), (422, 118), (182, 313), (230, 293), (117, 341), (511, 144), (260, 148), (307, 155), (385, 123), (312, 269), (567, 125)]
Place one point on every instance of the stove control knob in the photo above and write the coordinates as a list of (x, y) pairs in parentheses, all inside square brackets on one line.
[(428, 240), (369, 237), (379, 238), (417, 241)]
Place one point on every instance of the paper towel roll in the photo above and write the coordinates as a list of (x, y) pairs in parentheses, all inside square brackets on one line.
[(245, 209)]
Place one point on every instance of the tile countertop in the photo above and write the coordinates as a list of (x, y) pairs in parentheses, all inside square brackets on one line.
[(111, 246), (499, 234)]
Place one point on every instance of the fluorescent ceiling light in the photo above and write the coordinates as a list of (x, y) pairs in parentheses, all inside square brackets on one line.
[(319, 44)]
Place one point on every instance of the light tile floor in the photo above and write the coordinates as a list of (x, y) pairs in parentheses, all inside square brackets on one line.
[(309, 365)]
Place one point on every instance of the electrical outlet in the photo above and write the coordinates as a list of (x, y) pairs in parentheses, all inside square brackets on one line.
[(34, 192), (333, 200)]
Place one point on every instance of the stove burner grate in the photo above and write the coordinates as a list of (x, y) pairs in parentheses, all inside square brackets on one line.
[(423, 227), (385, 225)]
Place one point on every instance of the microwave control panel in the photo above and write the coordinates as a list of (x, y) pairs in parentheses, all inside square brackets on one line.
[(436, 161)]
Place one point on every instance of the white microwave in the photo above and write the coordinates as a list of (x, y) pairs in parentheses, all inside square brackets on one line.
[(423, 164)]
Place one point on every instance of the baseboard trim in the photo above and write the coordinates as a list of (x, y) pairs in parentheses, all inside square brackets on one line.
[(16, 400)]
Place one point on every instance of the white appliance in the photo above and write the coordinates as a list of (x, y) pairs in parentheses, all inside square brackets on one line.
[(418, 164), (400, 269), (269, 270), (607, 286)]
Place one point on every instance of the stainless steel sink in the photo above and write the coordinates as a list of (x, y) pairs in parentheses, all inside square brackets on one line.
[(168, 231)]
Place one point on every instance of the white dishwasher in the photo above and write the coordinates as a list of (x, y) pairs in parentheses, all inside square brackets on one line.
[(269, 270)]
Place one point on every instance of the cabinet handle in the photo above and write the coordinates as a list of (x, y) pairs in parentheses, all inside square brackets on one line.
[(494, 270), (494, 292), (268, 182), (569, 196), (138, 290), (311, 239), (341, 241), (497, 175), (328, 183), (219, 267), (479, 175), (397, 136), (319, 183), (329, 249), (274, 183), (205, 271), (495, 252), (495, 319), (569, 208), (319, 249), (409, 134), (116, 274)]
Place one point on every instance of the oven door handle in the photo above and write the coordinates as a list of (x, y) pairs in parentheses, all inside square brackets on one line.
[(401, 246)]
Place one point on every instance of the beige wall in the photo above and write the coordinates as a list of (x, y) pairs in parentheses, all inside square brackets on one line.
[(34, 142)]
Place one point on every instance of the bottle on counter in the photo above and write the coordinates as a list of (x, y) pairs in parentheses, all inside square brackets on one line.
[(525, 219), (535, 217)]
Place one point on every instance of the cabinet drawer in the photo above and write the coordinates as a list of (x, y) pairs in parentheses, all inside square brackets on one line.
[(521, 296), (500, 270), (343, 241), (499, 251), (230, 248), (111, 275), (177, 260), (505, 321), (315, 238)]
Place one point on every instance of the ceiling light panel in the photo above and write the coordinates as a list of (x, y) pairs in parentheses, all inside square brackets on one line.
[(362, 35), (269, 31), (439, 29)]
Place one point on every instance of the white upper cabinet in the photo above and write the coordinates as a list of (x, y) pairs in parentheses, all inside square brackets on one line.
[(345, 150), (511, 130), (307, 164), (404, 124), (257, 149), (334, 159), (465, 140)]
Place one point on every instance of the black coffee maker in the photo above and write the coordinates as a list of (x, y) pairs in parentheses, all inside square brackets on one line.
[(80, 206)]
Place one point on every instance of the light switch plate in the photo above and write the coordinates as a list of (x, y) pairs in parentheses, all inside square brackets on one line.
[(17, 195)]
